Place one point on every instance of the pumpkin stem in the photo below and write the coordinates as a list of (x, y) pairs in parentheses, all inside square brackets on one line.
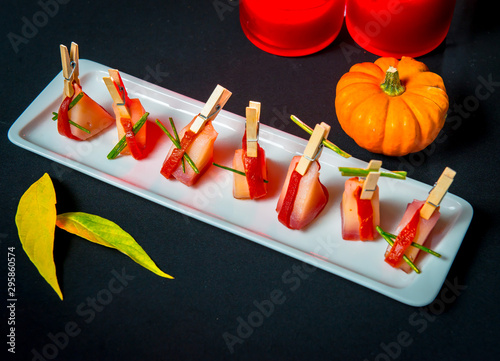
[(392, 84)]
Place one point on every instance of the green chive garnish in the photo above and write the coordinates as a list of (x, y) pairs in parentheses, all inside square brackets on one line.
[(326, 142), (425, 249), (360, 172), (122, 143), (75, 100), (235, 171), (174, 129), (176, 135), (79, 126), (72, 123), (177, 143), (230, 169)]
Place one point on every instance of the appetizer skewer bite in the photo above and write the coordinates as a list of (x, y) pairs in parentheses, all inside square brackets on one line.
[(79, 117), (250, 160), (196, 141), (131, 118), (303, 196), (414, 228), (360, 205)]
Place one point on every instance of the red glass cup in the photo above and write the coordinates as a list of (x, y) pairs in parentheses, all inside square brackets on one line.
[(291, 27), (399, 27)]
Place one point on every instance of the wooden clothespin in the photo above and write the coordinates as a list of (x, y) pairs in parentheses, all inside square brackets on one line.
[(117, 79), (118, 92), (252, 128), (370, 183), (313, 148), (70, 66), (215, 103), (437, 193)]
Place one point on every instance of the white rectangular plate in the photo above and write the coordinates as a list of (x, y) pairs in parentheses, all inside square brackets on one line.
[(211, 199)]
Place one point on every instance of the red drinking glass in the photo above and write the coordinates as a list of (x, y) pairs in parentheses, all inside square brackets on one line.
[(291, 27), (399, 27)]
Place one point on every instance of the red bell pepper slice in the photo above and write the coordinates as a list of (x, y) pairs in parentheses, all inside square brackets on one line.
[(289, 200), (63, 126), (403, 240), (365, 215), (172, 162), (253, 170), (130, 138)]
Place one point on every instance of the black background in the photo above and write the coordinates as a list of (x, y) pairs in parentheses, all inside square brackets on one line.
[(188, 47)]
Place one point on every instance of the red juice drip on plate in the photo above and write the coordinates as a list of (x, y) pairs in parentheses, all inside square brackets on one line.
[(291, 27), (399, 27)]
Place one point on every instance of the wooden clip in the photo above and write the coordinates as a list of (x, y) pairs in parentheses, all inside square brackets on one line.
[(370, 183), (70, 67), (117, 79), (252, 128), (313, 148), (437, 193), (214, 104), (118, 93)]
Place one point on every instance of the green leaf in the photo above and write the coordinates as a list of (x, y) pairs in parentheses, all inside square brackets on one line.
[(36, 220), (106, 233)]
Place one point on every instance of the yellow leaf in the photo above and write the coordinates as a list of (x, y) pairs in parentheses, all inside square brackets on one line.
[(36, 220), (106, 233)]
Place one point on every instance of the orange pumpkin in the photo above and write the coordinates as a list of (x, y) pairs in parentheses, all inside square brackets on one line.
[(392, 107)]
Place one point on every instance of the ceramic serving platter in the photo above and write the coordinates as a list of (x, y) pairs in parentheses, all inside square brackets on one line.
[(211, 199)]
